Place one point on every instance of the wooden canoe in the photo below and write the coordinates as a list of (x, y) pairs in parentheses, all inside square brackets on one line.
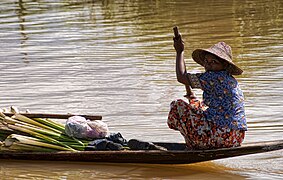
[(176, 154)]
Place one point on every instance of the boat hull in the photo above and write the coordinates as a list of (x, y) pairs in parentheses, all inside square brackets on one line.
[(175, 155)]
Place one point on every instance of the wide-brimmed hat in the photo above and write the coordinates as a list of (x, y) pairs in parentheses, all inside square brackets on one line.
[(221, 50)]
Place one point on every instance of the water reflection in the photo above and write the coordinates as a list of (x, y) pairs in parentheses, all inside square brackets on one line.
[(109, 171), (22, 28)]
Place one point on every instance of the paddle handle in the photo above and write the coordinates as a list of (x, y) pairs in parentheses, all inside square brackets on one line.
[(176, 32), (56, 116)]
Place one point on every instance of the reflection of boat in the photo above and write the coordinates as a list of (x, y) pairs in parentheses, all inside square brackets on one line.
[(176, 154)]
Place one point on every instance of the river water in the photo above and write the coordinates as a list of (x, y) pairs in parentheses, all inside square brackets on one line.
[(116, 59)]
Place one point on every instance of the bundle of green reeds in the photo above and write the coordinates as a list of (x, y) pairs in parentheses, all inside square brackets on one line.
[(37, 134)]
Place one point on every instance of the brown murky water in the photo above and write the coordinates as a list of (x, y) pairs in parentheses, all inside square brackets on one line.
[(115, 58)]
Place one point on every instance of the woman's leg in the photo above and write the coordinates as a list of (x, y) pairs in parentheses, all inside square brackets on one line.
[(186, 118)]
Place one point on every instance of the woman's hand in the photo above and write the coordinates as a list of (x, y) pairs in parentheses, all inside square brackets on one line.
[(190, 94), (178, 44)]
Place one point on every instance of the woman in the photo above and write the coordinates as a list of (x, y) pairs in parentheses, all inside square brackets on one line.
[(218, 121)]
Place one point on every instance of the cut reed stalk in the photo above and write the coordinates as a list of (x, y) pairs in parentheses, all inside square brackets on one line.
[(38, 135)]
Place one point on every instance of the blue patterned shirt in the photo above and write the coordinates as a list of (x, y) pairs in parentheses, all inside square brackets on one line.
[(223, 97)]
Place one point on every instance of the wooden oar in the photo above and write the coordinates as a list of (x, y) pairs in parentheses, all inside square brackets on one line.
[(189, 95), (56, 116)]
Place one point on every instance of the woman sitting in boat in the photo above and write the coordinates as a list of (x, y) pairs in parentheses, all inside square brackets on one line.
[(218, 121)]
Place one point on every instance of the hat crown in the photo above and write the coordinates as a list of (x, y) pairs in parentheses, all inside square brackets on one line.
[(222, 49)]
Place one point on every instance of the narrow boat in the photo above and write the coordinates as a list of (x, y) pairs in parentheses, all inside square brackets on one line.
[(176, 154)]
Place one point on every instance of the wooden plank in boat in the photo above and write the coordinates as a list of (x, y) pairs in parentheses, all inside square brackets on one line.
[(56, 116), (175, 154)]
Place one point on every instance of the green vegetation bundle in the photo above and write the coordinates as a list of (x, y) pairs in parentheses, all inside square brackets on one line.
[(37, 134)]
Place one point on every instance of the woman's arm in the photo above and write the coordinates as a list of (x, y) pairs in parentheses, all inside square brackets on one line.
[(181, 71)]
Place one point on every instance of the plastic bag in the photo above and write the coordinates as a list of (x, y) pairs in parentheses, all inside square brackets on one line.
[(79, 127)]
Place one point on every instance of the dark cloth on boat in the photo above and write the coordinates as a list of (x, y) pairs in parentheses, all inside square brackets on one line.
[(116, 142), (117, 138), (113, 142)]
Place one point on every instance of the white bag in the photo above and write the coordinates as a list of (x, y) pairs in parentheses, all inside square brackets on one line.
[(79, 127)]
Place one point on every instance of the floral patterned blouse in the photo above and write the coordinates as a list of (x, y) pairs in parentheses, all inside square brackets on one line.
[(223, 97)]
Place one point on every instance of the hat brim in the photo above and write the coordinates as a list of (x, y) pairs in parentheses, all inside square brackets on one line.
[(198, 56)]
